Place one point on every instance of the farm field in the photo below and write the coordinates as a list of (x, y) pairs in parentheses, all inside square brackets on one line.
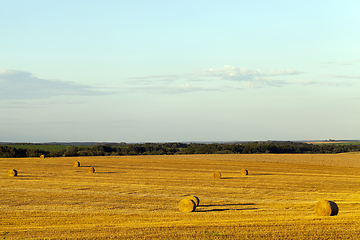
[(137, 197)]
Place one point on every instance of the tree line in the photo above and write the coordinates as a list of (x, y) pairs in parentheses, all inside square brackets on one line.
[(179, 148)]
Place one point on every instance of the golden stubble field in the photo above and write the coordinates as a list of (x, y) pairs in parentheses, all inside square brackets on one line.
[(137, 197)]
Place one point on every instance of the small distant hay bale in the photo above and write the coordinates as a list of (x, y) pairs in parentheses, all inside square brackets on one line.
[(42, 156), (187, 205), (244, 172), (76, 164), (91, 170), (217, 175), (326, 208), (195, 199), (12, 173)]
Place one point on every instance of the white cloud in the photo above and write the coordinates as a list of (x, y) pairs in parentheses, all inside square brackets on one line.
[(167, 89), (23, 85), (343, 76), (152, 78), (236, 78), (249, 78), (347, 63), (37, 103), (244, 74), (323, 83)]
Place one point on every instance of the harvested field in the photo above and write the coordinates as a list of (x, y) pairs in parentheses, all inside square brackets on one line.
[(138, 197)]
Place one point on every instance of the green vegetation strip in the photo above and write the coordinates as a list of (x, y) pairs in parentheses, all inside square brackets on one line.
[(121, 149), (49, 148)]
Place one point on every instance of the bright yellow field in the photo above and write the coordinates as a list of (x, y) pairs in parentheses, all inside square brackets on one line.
[(137, 197)]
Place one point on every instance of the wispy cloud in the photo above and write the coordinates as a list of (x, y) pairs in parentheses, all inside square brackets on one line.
[(244, 74), (228, 78), (327, 63), (178, 89), (249, 78), (346, 63), (245, 78), (24, 85), (152, 78), (322, 83), (342, 76), (37, 103)]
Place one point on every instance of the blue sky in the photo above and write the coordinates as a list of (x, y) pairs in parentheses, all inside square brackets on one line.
[(172, 71)]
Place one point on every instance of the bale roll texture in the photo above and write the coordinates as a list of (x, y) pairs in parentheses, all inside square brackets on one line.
[(326, 208), (195, 199), (187, 205), (42, 156), (217, 175), (244, 172), (76, 164), (91, 170), (12, 173)]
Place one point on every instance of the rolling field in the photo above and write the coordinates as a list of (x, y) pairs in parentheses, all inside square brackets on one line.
[(137, 197)]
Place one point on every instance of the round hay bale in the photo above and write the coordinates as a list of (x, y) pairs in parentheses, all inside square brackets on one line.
[(12, 173), (326, 208), (42, 156), (76, 164), (187, 205), (244, 172), (195, 199), (91, 170), (217, 175)]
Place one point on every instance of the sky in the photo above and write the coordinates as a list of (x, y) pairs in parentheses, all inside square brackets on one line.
[(179, 71)]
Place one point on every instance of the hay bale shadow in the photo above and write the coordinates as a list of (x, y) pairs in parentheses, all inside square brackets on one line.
[(225, 209), (230, 204), (25, 176), (28, 178), (261, 174)]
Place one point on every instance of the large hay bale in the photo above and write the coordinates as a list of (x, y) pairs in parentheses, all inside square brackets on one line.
[(12, 173), (187, 205), (76, 164), (42, 156), (195, 199), (91, 170), (326, 208), (244, 172), (217, 175)]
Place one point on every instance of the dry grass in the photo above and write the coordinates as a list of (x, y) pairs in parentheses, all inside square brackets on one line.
[(90, 169), (137, 197)]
